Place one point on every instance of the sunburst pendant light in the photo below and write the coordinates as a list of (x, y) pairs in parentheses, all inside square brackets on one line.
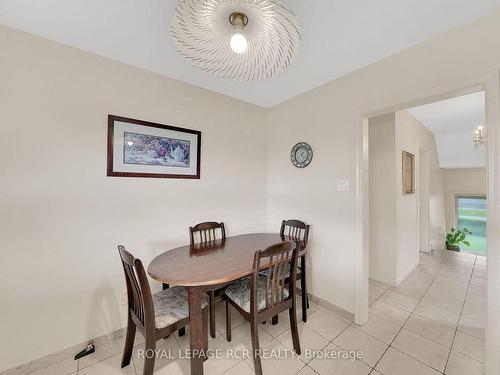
[(236, 39)]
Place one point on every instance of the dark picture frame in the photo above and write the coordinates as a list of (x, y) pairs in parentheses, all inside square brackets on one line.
[(408, 172), (188, 151)]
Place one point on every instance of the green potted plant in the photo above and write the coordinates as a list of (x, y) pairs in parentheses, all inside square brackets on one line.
[(456, 237)]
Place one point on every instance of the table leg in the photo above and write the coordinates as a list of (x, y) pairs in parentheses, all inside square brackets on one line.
[(196, 330)]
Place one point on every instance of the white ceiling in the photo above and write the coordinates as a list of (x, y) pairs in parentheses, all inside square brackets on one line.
[(453, 122), (339, 36)]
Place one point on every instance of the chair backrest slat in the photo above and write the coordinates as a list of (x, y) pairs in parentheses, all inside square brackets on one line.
[(295, 230), (278, 258), (206, 232), (140, 301)]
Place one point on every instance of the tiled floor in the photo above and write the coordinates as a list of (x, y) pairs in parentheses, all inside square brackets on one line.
[(432, 323)]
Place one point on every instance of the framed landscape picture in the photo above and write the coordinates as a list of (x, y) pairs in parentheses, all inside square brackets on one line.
[(408, 173), (145, 149)]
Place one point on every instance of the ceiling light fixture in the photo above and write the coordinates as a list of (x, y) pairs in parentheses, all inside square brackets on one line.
[(236, 39), (479, 136)]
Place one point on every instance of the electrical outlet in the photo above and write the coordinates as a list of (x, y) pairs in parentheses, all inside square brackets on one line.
[(124, 298)]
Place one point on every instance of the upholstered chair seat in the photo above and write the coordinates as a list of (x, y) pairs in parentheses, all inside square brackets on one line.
[(171, 305)]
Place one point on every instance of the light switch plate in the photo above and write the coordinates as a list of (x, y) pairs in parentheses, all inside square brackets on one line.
[(343, 185)]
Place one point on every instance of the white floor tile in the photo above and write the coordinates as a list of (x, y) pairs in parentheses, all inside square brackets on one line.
[(310, 342), (472, 327), (353, 339), (475, 300), (242, 339), (449, 291), (110, 366), (471, 346), (240, 369), (399, 300), (168, 349), (476, 312), (217, 366), (458, 364), (328, 366), (282, 326), (379, 284), (380, 329), (288, 364), (443, 303), (68, 366), (305, 371), (438, 315), (430, 329), (395, 362), (478, 290), (220, 317), (326, 324), (390, 313), (177, 367), (413, 293), (375, 291), (423, 349), (100, 354)]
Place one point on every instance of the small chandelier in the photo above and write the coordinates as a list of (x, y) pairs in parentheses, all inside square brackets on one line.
[(246, 40), (479, 136)]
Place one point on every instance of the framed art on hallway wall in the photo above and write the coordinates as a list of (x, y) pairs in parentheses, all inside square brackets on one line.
[(408, 173), (139, 148)]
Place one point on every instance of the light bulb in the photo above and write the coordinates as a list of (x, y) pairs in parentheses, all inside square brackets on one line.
[(238, 43)]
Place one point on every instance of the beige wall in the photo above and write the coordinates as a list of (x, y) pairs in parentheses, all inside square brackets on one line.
[(60, 225), (413, 137), (383, 192), (329, 118), (396, 218), (61, 218), (461, 181)]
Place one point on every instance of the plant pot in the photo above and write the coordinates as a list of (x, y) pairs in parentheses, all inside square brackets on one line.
[(453, 248)]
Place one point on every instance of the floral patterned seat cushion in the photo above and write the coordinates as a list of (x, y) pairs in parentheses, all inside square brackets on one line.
[(239, 292), (171, 305)]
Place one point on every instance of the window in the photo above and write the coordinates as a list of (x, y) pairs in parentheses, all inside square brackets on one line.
[(471, 214)]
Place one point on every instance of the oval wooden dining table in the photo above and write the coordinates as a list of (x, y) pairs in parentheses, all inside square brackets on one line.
[(203, 267)]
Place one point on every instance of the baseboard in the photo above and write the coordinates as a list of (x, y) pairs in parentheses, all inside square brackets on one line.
[(65, 354), (382, 280), (340, 312), (406, 272)]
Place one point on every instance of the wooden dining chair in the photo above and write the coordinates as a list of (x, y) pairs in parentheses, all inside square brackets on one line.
[(155, 315), (298, 231), (207, 232), (204, 233), (259, 297)]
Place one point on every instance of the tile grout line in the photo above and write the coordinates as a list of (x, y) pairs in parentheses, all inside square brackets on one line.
[(401, 328), (460, 315), (390, 345)]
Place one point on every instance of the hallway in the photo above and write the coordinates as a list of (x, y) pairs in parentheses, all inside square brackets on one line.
[(434, 321)]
